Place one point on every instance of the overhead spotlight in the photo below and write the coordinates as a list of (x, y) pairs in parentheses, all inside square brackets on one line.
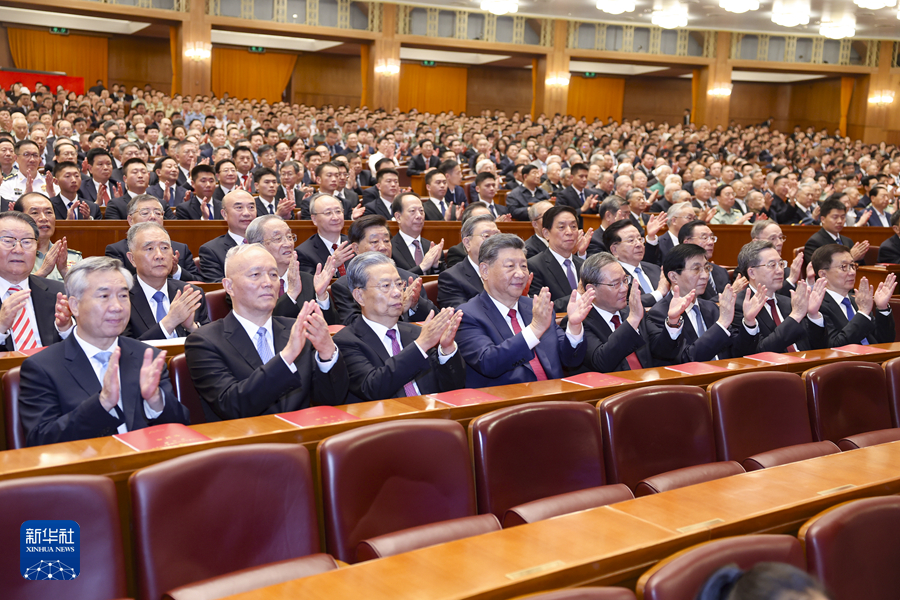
[(739, 6), (670, 15), (616, 7), (790, 13), (875, 4), (500, 7), (839, 27)]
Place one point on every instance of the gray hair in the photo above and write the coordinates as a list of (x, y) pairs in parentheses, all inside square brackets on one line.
[(358, 269), (749, 255), (590, 269), (759, 227), (533, 209), (490, 249), (312, 201), (468, 228), (241, 249), (135, 229), (132, 204), (76, 278), (680, 194), (675, 209), (612, 204), (254, 233)]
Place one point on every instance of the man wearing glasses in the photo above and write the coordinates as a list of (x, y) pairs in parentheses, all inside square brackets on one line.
[(626, 243), (863, 318), (678, 215), (327, 215), (698, 232), (387, 358), (786, 323), (26, 179), (833, 216), (770, 231), (462, 282)]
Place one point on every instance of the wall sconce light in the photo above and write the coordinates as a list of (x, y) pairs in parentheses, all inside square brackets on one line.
[(882, 98), (388, 67), (198, 51), (721, 91), (560, 80)]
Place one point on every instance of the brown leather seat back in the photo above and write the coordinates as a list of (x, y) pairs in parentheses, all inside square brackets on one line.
[(88, 500), (847, 398), (216, 305), (525, 453), (654, 430), (15, 433), (219, 511), (185, 390), (392, 476), (892, 379)]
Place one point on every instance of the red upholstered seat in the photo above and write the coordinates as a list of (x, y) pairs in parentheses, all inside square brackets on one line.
[(431, 290), (422, 536), (892, 379), (760, 429), (848, 402), (525, 453), (681, 576), (664, 433), (392, 476), (15, 433), (185, 390), (553, 506), (86, 499), (215, 305), (219, 511), (854, 548)]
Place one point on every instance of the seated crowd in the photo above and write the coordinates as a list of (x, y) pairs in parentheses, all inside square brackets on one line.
[(640, 291)]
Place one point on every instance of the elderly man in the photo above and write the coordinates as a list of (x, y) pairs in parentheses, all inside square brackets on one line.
[(250, 362), (462, 282), (865, 318), (537, 243), (52, 260), (698, 232), (506, 337), (613, 209), (26, 179), (727, 213), (770, 231), (702, 193), (614, 338), (295, 287), (327, 214), (557, 267), (238, 210), (96, 382), (387, 358), (784, 324), (370, 234), (410, 250), (626, 243), (161, 307)]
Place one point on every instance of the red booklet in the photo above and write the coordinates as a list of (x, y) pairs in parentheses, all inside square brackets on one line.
[(595, 380), (775, 359), (160, 436), (696, 368), (317, 415), (858, 349), (464, 397), (333, 329)]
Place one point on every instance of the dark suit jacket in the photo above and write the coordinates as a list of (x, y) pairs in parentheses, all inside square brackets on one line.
[(652, 273), (313, 253), (88, 191), (183, 180), (417, 164), (262, 210), (455, 255), (458, 284), (212, 257), (347, 309), (661, 205), (642, 225), (189, 271), (377, 207), (494, 356), (534, 246), (596, 245), (518, 200), (234, 383), (432, 212), (569, 197), (688, 347), (457, 195), (365, 179), (404, 259), (191, 210), (61, 210), (117, 209), (719, 276), (665, 244), (889, 251), (143, 325), (60, 394), (841, 331), (174, 200), (806, 335), (875, 220), (548, 273), (43, 298), (375, 375), (823, 238), (607, 349)]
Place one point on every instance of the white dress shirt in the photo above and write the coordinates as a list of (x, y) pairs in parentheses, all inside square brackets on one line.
[(251, 328), (530, 339), (151, 302)]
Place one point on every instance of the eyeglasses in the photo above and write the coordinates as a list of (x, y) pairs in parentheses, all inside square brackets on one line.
[(616, 284), (8, 242), (387, 286), (696, 270), (330, 213), (31, 156), (843, 267), (146, 212), (776, 238), (706, 238), (280, 238), (772, 264)]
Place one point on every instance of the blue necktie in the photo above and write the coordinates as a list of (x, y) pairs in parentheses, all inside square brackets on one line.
[(570, 275), (645, 285), (848, 308), (701, 326), (161, 313), (103, 359), (262, 346)]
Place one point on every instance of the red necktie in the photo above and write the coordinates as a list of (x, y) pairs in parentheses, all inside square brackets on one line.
[(777, 319), (634, 362), (23, 329), (341, 269), (536, 365), (280, 288)]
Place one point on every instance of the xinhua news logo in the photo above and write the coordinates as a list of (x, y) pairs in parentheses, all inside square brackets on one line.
[(50, 550)]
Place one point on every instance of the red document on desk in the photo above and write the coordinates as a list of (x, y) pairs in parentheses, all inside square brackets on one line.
[(696, 368), (595, 380), (317, 415), (333, 329), (464, 397), (774, 358), (160, 436), (858, 349)]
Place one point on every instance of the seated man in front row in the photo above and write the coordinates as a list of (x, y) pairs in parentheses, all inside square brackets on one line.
[(390, 359), (509, 338), (251, 363), (96, 383)]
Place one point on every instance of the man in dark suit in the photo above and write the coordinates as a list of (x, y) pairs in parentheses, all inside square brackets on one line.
[(698, 232), (328, 216), (166, 188), (186, 153), (238, 210), (455, 192), (509, 338), (328, 175), (436, 206), (100, 163), (266, 182), (879, 198), (411, 251), (229, 178), (833, 214), (486, 187), (530, 192), (557, 267), (253, 363), (161, 308), (456, 254), (861, 318), (626, 243), (677, 216), (683, 327), (67, 203), (536, 244), (137, 179), (462, 282), (386, 188), (614, 336), (420, 163), (889, 251), (370, 234), (96, 382), (578, 195), (201, 204), (387, 358), (146, 208)]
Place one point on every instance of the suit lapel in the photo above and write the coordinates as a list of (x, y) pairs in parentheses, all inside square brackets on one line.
[(129, 376), (557, 271), (79, 367), (237, 336), (369, 338), (44, 306), (403, 249), (141, 307), (498, 320)]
